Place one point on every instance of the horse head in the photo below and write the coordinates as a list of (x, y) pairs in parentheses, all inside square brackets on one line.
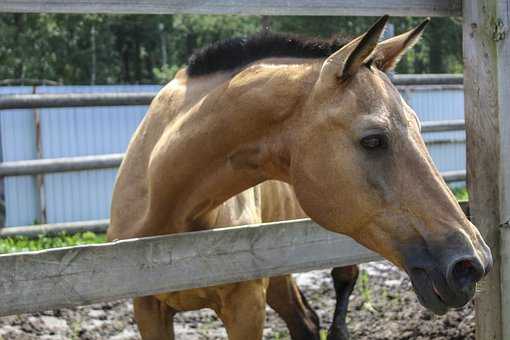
[(360, 167)]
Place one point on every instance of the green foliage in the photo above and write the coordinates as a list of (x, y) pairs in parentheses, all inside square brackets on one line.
[(364, 287), (106, 49), (440, 49), (280, 335), (165, 73), (19, 244), (325, 26), (461, 193)]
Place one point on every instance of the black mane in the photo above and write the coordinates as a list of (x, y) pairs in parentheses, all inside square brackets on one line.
[(237, 52)]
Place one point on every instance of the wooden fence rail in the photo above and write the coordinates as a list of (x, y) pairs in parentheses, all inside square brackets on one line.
[(242, 7), (82, 275)]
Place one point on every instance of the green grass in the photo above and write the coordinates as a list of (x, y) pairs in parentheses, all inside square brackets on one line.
[(20, 243), (461, 193), (364, 287)]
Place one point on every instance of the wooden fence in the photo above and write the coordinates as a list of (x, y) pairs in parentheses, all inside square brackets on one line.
[(242, 7), (54, 278), (82, 275), (76, 276)]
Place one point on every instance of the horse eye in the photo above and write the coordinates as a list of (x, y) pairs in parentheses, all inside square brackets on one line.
[(374, 142)]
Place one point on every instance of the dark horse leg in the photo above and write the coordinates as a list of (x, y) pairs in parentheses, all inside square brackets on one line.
[(285, 297), (344, 279)]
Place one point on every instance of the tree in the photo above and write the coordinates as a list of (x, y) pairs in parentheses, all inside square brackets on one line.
[(148, 49)]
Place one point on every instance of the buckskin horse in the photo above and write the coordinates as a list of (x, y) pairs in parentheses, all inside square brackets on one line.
[(322, 117)]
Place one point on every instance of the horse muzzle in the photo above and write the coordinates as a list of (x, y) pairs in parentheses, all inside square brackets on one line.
[(448, 281)]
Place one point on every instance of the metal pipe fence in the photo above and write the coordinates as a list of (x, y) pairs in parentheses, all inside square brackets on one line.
[(54, 165), (31, 101), (68, 164), (38, 101)]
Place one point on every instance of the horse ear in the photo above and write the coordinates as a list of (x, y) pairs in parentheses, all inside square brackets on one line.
[(388, 53), (346, 61)]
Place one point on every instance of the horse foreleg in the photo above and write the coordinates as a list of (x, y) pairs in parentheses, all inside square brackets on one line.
[(154, 318), (344, 279), (288, 301), (243, 310)]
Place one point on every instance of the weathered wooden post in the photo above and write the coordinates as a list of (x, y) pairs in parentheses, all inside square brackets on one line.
[(487, 110)]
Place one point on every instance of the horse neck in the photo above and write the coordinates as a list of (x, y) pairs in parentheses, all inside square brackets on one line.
[(232, 139)]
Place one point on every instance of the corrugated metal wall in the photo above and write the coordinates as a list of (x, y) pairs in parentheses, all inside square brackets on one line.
[(434, 103), (66, 132), (18, 143), (85, 195)]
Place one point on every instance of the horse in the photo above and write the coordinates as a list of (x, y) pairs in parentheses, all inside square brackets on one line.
[(322, 117)]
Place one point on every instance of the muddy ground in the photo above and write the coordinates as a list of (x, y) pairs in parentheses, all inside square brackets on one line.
[(382, 307)]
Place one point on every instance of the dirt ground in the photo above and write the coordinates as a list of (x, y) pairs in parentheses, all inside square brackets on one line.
[(382, 307)]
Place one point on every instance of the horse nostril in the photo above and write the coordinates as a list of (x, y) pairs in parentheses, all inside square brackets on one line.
[(465, 273)]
